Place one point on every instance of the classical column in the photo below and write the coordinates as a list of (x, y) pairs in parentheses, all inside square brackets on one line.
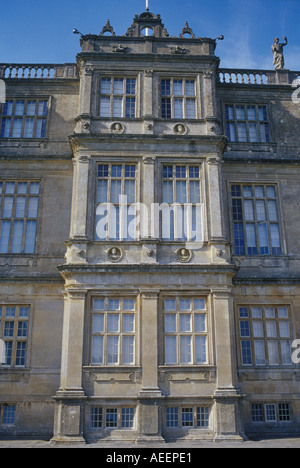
[(68, 422), (148, 102), (227, 395), (150, 396)]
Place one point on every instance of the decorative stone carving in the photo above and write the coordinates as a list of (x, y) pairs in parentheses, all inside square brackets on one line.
[(187, 30), (117, 127), (184, 255), (179, 50), (114, 254), (277, 50), (180, 129), (107, 28)]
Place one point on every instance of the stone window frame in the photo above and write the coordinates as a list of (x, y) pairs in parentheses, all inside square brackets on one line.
[(15, 322), (124, 95), (281, 411), (40, 118), (233, 123), (192, 333), (196, 421), (121, 235), (256, 335), (8, 414), (172, 96), (106, 333), (174, 179), (124, 420), (240, 219), (13, 215)]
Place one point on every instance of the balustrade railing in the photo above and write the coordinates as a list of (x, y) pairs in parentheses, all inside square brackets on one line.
[(257, 77), (42, 71)]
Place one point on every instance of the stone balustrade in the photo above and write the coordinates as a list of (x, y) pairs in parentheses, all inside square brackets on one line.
[(38, 71), (257, 77)]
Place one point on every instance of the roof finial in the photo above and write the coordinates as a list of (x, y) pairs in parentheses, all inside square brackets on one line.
[(147, 5)]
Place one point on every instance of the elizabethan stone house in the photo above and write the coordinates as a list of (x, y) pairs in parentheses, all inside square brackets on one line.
[(149, 243)]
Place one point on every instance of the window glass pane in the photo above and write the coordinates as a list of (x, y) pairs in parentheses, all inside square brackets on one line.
[(98, 323), (177, 87), (260, 354), (251, 239), (184, 304), (105, 86), (4, 236), (284, 329), (190, 109), (286, 352), (251, 113), (19, 110), (270, 312), (127, 417), (170, 304), (30, 237), (283, 312), (7, 207), (98, 304), (185, 350), (275, 239), (263, 238), (31, 105), (130, 85), (230, 131), (102, 196), (258, 329), (229, 112), (272, 208), (128, 350), (40, 128), (253, 135), (246, 352), (128, 304), (190, 87), (17, 128), (185, 322), (113, 349), (113, 323), (242, 132), (172, 417), (168, 192), (5, 128), (187, 417), (42, 108), (129, 191), (116, 171), (245, 328), (130, 108), (178, 108), (249, 211), (166, 108), (262, 113), (8, 108), (105, 107), (273, 352), (199, 304), (117, 107), (270, 412), (181, 193), (201, 349), (240, 113), (118, 86), (28, 131), (116, 191), (170, 350), (34, 188), (239, 245), (33, 207), (165, 87), (17, 237), (111, 417), (259, 191), (200, 323), (128, 323), (271, 329)]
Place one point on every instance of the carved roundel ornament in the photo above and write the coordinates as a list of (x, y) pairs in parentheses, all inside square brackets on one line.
[(114, 254), (184, 255)]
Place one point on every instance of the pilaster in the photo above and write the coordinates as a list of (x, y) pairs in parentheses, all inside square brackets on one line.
[(70, 397)]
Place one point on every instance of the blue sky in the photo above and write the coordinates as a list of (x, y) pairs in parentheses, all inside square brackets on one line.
[(40, 31)]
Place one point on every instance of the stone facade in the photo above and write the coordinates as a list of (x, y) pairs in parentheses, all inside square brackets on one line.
[(137, 335)]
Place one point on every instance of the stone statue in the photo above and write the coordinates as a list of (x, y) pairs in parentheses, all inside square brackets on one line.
[(277, 49)]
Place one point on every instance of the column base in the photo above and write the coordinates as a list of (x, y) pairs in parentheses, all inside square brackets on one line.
[(144, 439), (65, 440)]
